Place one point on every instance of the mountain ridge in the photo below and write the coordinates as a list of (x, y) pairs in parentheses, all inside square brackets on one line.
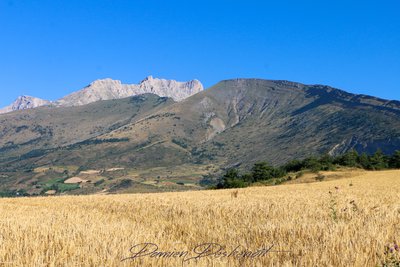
[(299, 85), (107, 89)]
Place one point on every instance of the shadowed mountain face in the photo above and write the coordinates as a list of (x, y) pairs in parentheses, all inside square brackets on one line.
[(234, 123)]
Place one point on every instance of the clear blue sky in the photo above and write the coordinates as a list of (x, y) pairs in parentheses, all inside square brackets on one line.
[(49, 48)]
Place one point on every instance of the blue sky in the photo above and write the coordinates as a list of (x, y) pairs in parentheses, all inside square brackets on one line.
[(50, 48)]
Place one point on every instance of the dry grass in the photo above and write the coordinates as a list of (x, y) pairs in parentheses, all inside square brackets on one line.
[(310, 177), (348, 227)]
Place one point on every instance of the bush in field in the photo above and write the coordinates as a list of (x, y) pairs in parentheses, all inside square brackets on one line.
[(262, 171), (232, 179), (349, 159), (312, 164)]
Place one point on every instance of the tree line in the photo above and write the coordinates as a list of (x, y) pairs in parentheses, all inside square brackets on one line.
[(262, 171)]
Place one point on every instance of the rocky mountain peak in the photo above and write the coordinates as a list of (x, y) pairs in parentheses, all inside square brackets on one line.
[(25, 102), (104, 82), (148, 78), (106, 89), (170, 88)]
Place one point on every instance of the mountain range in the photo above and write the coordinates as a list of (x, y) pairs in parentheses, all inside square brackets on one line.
[(107, 89), (158, 140)]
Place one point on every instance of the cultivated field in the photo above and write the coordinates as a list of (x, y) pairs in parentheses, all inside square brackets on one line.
[(345, 222)]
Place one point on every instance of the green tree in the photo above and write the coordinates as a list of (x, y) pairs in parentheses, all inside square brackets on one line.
[(395, 160), (247, 177), (378, 161), (364, 161), (312, 164), (327, 162), (350, 158), (293, 166), (278, 172), (231, 179), (262, 171)]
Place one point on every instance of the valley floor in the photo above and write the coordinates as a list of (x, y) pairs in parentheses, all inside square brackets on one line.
[(345, 222)]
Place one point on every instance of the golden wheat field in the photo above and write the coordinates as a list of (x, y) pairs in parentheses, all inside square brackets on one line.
[(346, 222)]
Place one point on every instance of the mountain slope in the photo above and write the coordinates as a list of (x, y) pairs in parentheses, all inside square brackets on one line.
[(243, 121), (238, 122), (49, 128)]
